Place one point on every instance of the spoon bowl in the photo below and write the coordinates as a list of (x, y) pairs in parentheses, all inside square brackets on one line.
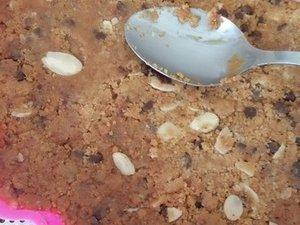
[(196, 55)]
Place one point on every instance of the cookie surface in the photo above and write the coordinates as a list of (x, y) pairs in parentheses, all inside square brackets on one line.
[(58, 133)]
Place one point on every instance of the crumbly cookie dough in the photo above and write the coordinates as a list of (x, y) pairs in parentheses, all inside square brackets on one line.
[(57, 153)]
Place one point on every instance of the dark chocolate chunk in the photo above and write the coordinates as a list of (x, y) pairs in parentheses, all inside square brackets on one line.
[(2, 221), (100, 212), (38, 31), (20, 76), (281, 26), (148, 106), (296, 169), (247, 9), (223, 12), (239, 15), (70, 22), (297, 141), (256, 34), (121, 6), (186, 160), (261, 19), (241, 145), (94, 221), (96, 158), (290, 96), (144, 6), (244, 27), (250, 112), (275, 2), (145, 69), (78, 153), (281, 107), (28, 22), (99, 35), (198, 143), (163, 210), (198, 203), (273, 146)]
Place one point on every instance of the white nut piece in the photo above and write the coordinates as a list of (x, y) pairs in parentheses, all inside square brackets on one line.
[(280, 152), (250, 192), (114, 21), (205, 123), (225, 141), (233, 207), (123, 163), (246, 167), (173, 214), (20, 114), (62, 63), (107, 26), (168, 131), (169, 107), (156, 83)]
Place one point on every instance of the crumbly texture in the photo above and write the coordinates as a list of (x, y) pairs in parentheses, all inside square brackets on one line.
[(60, 155)]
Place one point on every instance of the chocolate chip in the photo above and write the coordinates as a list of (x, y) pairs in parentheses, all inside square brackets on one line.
[(144, 6), (163, 210), (78, 153), (11, 221), (250, 112), (145, 69), (273, 146), (275, 2), (2, 27), (69, 22), (247, 9), (100, 212), (281, 26), (94, 221), (2, 221), (261, 19), (244, 27), (281, 107), (255, 34), (296, 169), (223, 12), (20, 76), (40, 121), (239, 15), (198, 203), (186, 160), (15, 54), (17, 191), (290, 96), (148, 106), (38, 31), (96, 158), (28, 22), (198, 143), (121, 6), (241, 145), (99, 35), (297, 141)]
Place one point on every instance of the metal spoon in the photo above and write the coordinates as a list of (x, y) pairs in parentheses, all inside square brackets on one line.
[(204, 56)]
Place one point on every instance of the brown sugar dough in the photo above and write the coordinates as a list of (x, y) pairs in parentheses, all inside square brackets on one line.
[(77, 123)]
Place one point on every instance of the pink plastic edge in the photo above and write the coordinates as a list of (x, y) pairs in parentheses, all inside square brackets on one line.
[(39, 218)]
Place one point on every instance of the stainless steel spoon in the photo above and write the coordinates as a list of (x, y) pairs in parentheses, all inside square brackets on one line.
[(203, 55)]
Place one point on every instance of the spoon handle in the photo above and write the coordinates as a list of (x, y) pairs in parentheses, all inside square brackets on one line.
[(278, 57)]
